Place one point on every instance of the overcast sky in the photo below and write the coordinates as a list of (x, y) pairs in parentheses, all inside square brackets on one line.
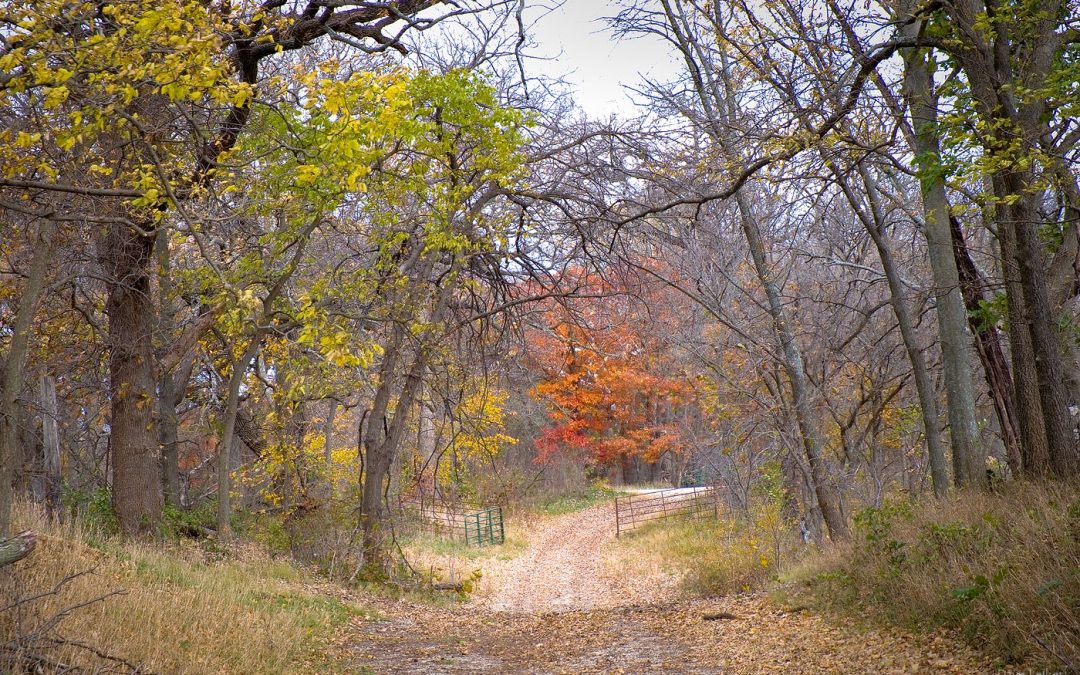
[(594, 63)]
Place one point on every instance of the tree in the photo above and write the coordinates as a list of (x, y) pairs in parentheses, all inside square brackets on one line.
[(1013, 59), (610, 380), (14, 360), (105, 79)]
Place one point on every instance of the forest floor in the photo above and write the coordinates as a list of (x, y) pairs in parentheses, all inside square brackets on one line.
[(557, 608)]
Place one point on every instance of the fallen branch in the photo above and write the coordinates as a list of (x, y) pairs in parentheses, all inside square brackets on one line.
[(719, 616), (18, 547)]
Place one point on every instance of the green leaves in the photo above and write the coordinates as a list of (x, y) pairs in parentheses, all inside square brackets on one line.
[(115, 82)]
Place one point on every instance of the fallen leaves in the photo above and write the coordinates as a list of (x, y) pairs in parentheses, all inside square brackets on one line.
[(604, 629), (754, 636)]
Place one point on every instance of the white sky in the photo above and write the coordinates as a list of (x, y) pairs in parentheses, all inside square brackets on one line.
[(591, 60)]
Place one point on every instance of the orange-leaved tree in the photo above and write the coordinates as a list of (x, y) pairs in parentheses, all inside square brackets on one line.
[(612, 376)]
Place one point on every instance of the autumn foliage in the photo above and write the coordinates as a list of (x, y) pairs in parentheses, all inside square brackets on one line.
[(610, 375)]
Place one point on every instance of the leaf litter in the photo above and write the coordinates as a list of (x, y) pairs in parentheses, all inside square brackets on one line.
[(556, 609)]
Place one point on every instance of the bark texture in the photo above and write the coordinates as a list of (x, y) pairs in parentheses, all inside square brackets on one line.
[(13, 368), (988, 345), (968, 463), (126, 255)]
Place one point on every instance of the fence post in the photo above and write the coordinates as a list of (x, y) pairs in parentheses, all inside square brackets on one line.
[(617, 518)]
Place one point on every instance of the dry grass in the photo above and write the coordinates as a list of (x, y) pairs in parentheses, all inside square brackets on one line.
[(706, 556), (182, 610), (445, 557), (1002, 569)]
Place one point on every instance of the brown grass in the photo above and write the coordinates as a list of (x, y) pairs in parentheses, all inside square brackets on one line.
[(704, 556), (183, 609), (1002, 569)]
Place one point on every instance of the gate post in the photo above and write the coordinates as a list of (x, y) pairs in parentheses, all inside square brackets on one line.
[(617, 518)]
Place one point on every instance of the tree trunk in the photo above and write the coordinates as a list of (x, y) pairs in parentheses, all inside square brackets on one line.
[(383, 434), (826, 494), (224, 457), (18, 547), (898, 299), (1035, 456), (719, 102), (428, 446), (379, 452), (136, 456), (968, 464), (170, 388), (50, 415), (14, 363), (171, 391), (988, 345), (327, 487), (1022, 219), (328, 431), (376, 463)]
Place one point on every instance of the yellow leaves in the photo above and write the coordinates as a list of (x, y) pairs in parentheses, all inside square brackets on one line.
[(307, 174), (26, 140), (66, 141), (242, 94), (54, 96), (9, 61), (249, 301), (93, 78), (480, 435), (149, 197), (159, 20), (176, 91), (353, 182), (336, 350)]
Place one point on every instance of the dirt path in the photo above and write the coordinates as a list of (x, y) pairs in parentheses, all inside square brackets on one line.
[(555, 609), (563, 570)]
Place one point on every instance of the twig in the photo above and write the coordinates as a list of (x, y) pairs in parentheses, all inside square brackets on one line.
[(61, 641), (55, 590)]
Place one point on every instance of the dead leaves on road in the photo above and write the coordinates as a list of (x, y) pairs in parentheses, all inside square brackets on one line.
[(759, 637)]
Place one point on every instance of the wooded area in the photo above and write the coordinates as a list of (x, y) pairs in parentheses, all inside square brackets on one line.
[(276, 267)]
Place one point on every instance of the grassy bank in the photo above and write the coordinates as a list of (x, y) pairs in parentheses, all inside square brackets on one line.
[(1000, 569), (169, 608), (708, 556)]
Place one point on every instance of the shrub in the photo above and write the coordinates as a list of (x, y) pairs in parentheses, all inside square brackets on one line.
[(1001, 568)]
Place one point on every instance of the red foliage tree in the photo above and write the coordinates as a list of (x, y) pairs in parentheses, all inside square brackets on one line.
[(610, 374)]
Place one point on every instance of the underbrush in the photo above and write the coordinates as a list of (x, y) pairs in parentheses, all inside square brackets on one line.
[(713, 556), (107, 604), (1001, 569)]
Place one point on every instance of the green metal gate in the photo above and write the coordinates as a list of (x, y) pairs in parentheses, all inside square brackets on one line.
[(484, 527)]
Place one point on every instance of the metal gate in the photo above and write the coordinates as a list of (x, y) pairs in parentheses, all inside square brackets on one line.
[(484, 527), (635, 510)]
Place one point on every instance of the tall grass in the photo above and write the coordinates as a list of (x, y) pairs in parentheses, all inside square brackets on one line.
[(1002, 569), (182, 609), (707, 556)]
